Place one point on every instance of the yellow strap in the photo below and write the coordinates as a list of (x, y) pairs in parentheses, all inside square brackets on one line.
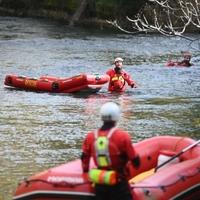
[(142, 176)]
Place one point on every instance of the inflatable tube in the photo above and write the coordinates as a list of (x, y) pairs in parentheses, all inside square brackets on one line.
[(175, 181), (79, 83)]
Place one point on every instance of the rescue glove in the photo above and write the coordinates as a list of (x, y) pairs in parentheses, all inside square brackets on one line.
[(134, 85)]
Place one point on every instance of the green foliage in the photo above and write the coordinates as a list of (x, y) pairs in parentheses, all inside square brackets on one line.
[(19, 4), (69, 5), (104, 9), (117, 8)]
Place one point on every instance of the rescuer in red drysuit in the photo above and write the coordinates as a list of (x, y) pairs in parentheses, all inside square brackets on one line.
[(119, 151), (119, 78)]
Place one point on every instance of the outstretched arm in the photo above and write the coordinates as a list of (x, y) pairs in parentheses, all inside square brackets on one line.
[(129, 80)]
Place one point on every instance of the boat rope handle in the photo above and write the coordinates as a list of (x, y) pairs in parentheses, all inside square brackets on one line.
[(180, 140), (63, 183), (162, 187), (178, 154)]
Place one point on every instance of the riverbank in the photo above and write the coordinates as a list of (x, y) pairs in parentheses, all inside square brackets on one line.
[(58, 16), (91, 13), (74, 12), (64, 17)]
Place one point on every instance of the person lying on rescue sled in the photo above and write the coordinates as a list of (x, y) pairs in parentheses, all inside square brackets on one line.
[(119, 78), (111, 149), (186, 62)]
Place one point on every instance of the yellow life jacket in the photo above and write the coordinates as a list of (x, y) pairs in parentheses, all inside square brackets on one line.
[(117, 78), (102, 148), (101, 176)]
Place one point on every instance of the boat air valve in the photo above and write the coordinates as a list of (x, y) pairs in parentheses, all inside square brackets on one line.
[(147, 192), (9, 80), (55, 86), (97, 78)]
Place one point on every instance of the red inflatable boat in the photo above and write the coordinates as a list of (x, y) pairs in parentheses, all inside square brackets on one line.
[(79, 83), (176, 180)]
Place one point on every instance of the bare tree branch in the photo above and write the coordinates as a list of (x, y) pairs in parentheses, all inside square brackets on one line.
[(168, 17)]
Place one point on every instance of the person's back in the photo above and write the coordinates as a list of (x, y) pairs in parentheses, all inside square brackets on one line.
[(111, 149), (120, 147)]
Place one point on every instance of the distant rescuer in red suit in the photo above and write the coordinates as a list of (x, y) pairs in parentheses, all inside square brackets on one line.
[(119, 78), (184, 63), (186, 60), (111, 149)]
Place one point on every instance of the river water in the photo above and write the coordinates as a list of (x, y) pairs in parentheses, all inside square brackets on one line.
[(42, 130)]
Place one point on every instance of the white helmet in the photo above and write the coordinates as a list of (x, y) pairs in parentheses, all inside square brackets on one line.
[(110, 112), (118, 59)]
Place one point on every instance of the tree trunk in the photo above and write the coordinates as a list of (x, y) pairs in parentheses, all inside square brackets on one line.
[(78, 12)]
